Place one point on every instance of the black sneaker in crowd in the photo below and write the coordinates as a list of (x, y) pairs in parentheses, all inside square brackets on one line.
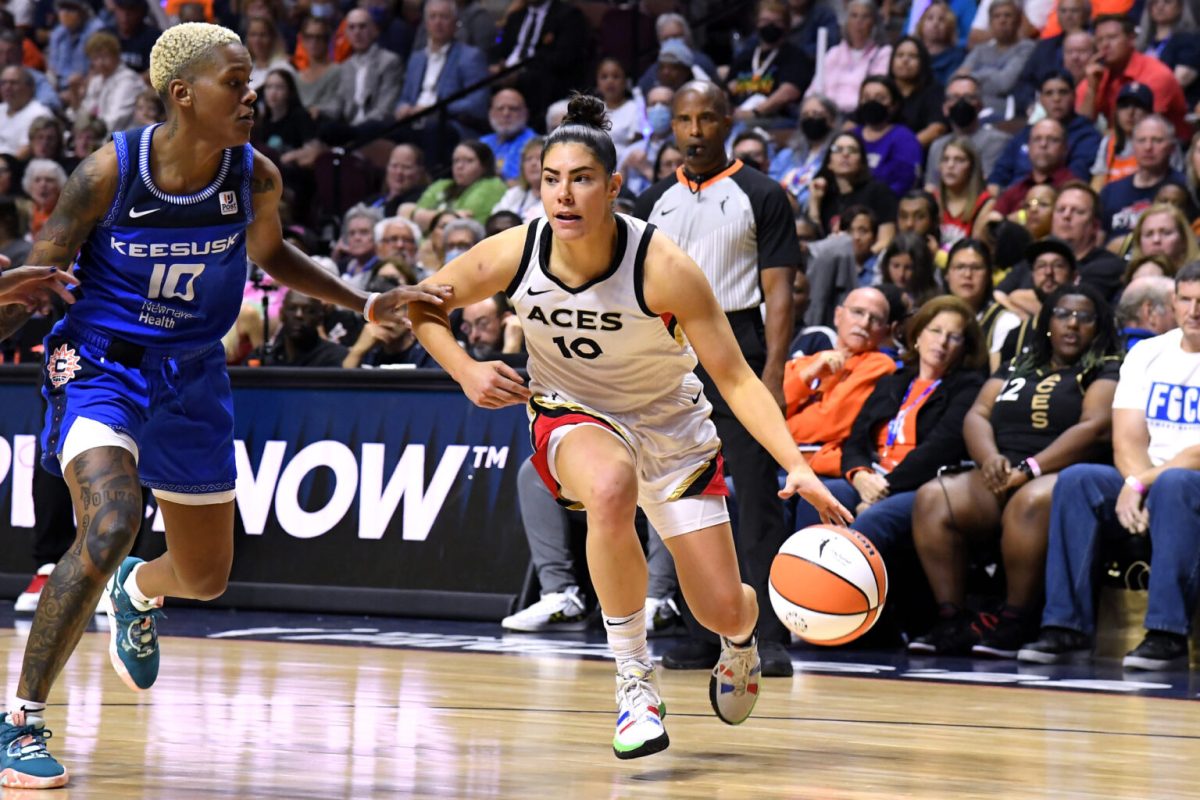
[(1159, 651), (692, 654), (951, 636), (776, 660), (1001, 635), (1057, 646)]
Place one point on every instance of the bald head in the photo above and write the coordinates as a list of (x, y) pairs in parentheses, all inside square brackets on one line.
[(862, 320), (709, 93)]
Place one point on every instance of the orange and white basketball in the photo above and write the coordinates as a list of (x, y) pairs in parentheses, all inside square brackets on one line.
[(828, 584)]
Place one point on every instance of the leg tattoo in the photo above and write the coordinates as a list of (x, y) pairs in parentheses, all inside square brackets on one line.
[(108, 504)]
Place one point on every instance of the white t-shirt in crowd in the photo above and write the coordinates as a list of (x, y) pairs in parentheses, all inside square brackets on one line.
[(1163, 380)]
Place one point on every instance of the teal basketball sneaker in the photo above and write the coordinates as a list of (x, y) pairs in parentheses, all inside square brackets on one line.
[(133, 644), (25, 763)]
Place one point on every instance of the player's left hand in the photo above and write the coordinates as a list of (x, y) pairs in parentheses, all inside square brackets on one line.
[(31, 286), (803, 482), (393, 305)]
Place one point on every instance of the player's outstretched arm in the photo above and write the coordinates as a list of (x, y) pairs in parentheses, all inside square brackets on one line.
[(82, 203), (675, 284), (484, 270), (29, 286), (292, 268)]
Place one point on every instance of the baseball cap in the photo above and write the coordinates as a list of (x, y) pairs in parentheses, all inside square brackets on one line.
[(674, 51), (1138, 94), (1051, 244)]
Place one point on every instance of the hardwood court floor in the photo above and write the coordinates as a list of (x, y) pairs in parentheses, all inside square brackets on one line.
[(231, 718)]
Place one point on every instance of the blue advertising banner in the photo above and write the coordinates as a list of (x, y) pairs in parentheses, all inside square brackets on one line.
[(356, 491)]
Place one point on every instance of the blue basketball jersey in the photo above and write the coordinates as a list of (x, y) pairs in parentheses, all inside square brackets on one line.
[(161, 269)]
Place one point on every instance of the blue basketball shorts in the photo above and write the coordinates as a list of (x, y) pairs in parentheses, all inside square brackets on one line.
[(171, 408)]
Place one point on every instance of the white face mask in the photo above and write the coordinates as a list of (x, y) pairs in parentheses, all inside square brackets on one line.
[(454, 253)]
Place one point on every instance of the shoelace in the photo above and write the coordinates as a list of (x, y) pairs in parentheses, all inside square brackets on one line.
[(739, 662), (145, 640), (34, 748), (635, 691)]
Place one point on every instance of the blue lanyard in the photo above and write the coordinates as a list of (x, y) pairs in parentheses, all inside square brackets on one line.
[(897, 423)]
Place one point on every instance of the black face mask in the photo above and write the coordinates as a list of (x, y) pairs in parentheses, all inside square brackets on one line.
[(963, 114), (770, 33), (872, 112), (815, 128)]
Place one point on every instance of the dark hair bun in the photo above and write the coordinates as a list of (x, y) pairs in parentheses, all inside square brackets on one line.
[(587, 110)]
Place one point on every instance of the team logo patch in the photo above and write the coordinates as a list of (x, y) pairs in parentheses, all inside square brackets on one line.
[(228, 203), (63, 365)]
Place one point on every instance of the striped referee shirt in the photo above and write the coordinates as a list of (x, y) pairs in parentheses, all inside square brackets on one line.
[(733, 224)]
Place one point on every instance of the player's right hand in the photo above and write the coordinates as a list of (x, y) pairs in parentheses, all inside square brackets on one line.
[(803, 482), (31, 286), (493, 384)]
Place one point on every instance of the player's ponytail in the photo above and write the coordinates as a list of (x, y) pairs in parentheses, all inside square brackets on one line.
[(586, 123)]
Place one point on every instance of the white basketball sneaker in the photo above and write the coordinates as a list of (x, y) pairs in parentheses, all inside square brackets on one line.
[(640, 712), (556, 611), (733, 687), (661, 614)]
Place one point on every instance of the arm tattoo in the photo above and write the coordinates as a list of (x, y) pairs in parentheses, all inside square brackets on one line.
[(73, 217), (261, 185), (108, 502)]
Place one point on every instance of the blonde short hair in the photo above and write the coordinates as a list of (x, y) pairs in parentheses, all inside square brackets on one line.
[(181, 46)]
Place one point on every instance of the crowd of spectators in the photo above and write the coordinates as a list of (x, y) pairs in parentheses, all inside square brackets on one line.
[(995, 202)]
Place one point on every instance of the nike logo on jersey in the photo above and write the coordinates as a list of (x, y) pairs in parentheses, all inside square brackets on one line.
[(134, 213), (696, 399), (532, 293), (666, 211)]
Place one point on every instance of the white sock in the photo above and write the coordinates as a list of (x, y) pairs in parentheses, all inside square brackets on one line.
[(627, 638), (34, 711), (140, 601)]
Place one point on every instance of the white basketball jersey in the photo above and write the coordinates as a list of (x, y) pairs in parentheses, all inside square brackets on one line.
[(598, 344)]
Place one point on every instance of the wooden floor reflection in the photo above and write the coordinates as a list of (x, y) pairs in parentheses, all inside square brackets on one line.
[(243, 719)]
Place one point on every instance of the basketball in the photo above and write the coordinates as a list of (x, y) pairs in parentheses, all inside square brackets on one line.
[(828, 584)]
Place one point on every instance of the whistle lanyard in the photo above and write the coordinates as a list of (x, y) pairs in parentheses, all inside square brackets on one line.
[(897, 424)]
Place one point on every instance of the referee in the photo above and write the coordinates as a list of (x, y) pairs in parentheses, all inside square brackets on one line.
[(737, 224)]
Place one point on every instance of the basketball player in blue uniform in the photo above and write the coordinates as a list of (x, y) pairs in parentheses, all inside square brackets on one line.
[(162, 221), (614, 317)]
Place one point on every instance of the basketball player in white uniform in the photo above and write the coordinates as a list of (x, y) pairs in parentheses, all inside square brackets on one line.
[(618, 419)]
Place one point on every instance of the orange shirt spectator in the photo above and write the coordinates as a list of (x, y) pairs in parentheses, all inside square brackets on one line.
[(825, 391), (823, 416), (1115, 46)]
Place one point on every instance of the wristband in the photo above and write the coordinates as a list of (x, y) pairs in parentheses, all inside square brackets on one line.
[(1133, 483), (369, 307), (1035, 468)]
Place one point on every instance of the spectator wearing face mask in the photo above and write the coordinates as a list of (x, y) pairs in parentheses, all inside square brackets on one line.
[(893, 151), (961, 106), (768, 78), (638, 167), (796, 165), (673, 27)]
